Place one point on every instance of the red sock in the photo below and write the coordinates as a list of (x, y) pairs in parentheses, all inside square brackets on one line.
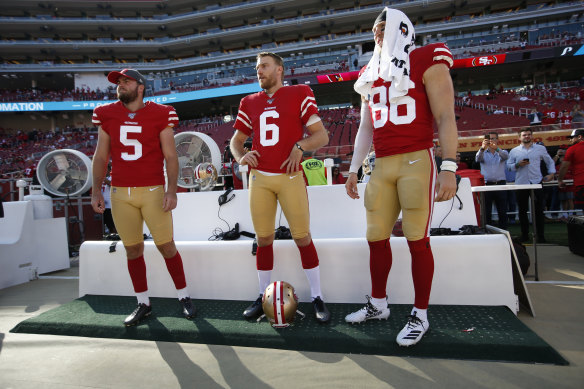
[(265, 258), (176, 270), (137, 270), (308, 256), (380, 261), (422, 271)]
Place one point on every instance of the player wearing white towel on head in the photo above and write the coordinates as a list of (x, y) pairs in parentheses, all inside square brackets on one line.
[(403, 89)]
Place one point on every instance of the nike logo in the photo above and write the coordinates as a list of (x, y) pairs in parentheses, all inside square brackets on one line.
[(293, 177), (152, 189), (412, 162)]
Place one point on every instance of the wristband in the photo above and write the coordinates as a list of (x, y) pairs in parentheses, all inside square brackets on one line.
[(298, 147), (448, 166), (449, 159)]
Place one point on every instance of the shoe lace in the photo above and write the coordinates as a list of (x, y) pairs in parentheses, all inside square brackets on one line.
[(319, 303), (369, 307), (258, 301), (186, 302), (140, 305), (414, 321)]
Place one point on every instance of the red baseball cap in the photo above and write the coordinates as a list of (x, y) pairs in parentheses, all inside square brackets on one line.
[(130, 73)]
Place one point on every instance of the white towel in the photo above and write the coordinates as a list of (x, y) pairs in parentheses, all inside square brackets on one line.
[(392, 61)]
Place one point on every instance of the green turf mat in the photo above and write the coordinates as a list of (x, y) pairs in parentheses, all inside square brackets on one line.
[(497, 336)]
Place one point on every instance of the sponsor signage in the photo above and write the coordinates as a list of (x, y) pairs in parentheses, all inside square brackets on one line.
[(569, 51), (163, 99), (509, 141)]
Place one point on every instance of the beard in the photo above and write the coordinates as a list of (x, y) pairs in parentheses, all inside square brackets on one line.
[(268, 82), (128, 96)]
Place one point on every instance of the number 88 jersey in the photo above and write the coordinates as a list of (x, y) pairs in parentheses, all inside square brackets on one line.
[(137, 158), (277, 122), (407, 124)]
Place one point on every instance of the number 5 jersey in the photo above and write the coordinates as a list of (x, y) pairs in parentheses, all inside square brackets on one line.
[(277, 122), (137, 158)]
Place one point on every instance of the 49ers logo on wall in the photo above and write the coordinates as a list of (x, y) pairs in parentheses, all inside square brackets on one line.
[(484, 61)]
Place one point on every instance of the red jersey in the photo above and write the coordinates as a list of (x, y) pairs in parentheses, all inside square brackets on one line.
[(406, 125), (566, 121), (278, 122), (550, 116), (137, 158), (575, 155)]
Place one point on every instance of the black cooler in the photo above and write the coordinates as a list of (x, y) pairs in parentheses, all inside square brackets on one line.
[(576, 234)]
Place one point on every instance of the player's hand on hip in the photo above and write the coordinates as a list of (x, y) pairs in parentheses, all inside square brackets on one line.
[(169, 202), (250, 158), (351, 186), (97, 202), (292, 163), (446, 186)]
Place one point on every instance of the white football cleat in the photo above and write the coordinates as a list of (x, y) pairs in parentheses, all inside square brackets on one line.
[(412, 332), (368, 312)]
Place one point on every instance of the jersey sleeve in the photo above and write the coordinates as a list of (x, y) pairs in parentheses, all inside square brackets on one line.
[(243, 121), (96, 118), (441, 54), (172, 120), (308, 104)]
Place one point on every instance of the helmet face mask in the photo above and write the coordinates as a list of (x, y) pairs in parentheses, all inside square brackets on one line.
[(280, 303)]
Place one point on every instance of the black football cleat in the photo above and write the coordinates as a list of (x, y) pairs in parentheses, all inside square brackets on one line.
[(188, 309), (254, 310), (320, 310), (141, 311)]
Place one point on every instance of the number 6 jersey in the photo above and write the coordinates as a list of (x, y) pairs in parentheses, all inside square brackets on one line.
[(137, 158), (406, 125), (277, 122)]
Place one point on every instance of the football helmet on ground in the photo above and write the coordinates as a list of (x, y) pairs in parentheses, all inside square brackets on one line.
[(280, 303)]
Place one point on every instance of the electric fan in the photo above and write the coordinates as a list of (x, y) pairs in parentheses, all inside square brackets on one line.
[(199, 160), (65, 172)]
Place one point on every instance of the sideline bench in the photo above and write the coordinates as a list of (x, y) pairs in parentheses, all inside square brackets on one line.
[(469, 269)]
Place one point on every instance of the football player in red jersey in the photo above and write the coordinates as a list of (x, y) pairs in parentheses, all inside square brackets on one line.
[(139, 138), (403, 89), (276, 117)]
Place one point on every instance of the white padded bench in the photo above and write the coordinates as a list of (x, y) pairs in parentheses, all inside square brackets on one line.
[(469, 270)]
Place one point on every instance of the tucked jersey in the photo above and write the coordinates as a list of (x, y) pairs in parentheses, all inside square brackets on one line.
[(575, 155), (407, 124), (137, 158), (276, 122)]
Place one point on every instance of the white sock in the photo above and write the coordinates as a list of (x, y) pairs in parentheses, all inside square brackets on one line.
[(264, 277), (182, 293), (143, 298), (379, 303), (421, 314), (313, 276)]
